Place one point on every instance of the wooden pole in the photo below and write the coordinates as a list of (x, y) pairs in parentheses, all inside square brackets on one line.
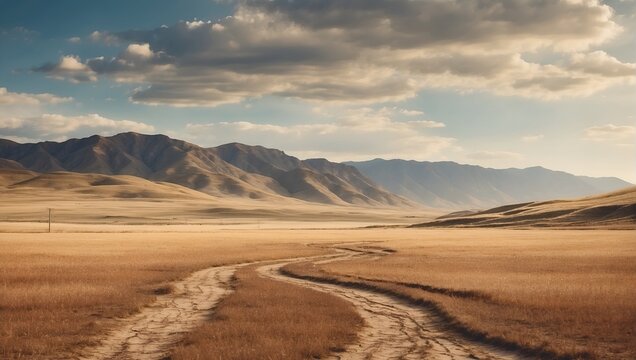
[(49, 219)]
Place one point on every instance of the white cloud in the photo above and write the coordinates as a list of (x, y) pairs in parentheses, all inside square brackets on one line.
[(139, 50), (69, 67), (23, 116), (12, 98), (360, 133), (532, 138), (74, 40), (103, 37), (364, 52), (48, 126), (71, 63), (11, 123), (611, 133), (369, 119), (411, 112), (62, 124), (600, 63)]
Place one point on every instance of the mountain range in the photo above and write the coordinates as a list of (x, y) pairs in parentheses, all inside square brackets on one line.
[(228, 170), (256, 172), (451, 185)]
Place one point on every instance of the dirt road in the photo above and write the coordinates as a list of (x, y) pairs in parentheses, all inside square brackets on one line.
[(149, 334), (394, 329)]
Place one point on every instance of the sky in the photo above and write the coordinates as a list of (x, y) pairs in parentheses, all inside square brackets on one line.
[(497, 83)]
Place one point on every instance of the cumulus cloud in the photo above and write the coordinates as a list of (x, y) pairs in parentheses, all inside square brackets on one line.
[(611, 133), (24, 116), (56, 126), (363, 52), (68, 67), (13, 98), (140, 51), (357, 134)]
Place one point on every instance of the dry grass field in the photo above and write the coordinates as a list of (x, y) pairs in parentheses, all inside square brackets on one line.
[(79, 201), (572, 293), (59, 291), (267, 319), (568, 291)]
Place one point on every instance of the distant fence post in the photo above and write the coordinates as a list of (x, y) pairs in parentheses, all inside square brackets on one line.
[(50, 219)]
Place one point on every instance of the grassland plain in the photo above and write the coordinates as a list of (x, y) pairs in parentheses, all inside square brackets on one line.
[(268, 319), (569, 291), (569, 294), (61, 292)]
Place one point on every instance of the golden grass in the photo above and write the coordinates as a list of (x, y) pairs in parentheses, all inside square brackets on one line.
[(572, 293), (25, 209), (268, 319), (569, 291), (58, 292)]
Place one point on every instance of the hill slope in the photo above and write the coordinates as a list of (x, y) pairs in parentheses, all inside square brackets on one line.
[(88, 198), (230, 170), (615, 209), (451, 185), (105, 186)]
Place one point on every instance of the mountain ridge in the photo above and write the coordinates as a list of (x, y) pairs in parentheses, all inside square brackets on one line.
[(447, 184), (257, 172), (228, 170)]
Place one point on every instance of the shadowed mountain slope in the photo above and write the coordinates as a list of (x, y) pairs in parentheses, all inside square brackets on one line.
[(317, 180), (450, 185), (229, 170), (615, 209)]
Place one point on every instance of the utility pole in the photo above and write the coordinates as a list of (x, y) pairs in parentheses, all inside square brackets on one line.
[(50, 219)]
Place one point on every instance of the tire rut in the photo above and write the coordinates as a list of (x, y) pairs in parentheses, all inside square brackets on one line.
[(394, 329), (148, 334), (151, 333)]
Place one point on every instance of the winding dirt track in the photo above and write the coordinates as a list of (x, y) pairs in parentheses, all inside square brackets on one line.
[(149, 334), (393, 330)]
